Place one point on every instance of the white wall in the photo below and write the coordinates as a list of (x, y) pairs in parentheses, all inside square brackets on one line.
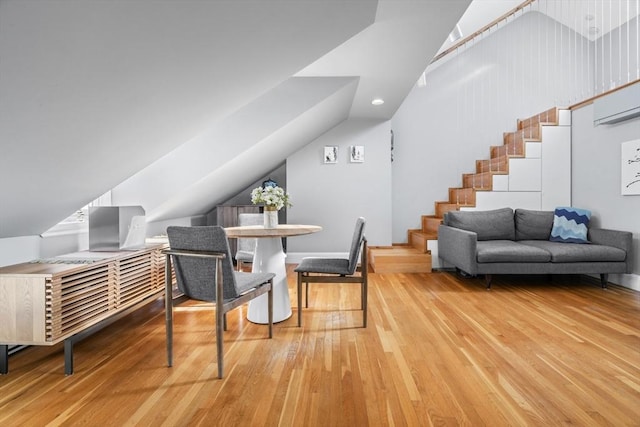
[(335, 195), (15, 250), (596, 179), (468, 102), (619, 50)]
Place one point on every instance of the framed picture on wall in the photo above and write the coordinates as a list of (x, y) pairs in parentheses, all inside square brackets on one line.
[(356, 154), (630, 168), (330, 154)]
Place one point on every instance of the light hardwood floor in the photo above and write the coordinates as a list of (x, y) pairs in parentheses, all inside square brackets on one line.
[(439, 350)]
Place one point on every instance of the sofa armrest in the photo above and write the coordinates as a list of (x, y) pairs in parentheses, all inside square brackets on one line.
[(458, 247), (615, 238)]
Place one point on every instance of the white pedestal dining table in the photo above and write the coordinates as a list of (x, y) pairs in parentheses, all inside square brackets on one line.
[(269, 257)]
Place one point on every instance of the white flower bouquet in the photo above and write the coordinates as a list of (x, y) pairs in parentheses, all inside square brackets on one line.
[(273, 198)]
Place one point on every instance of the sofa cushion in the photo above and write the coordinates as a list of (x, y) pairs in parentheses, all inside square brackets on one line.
[(509, 251), (488, 225), (562, 252), (570, 225), (533, 225)]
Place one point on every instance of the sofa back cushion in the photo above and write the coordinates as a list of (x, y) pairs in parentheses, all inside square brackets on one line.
[(533, 225), (488, 225)]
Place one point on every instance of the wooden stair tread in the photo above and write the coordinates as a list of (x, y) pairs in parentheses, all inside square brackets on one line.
[(426, 234), (527, 134), (443, 207), (494, 164), (465, 196), (549, 117), (396, 251), (416, 239), (398, 259), (430, 224), (479, 181)]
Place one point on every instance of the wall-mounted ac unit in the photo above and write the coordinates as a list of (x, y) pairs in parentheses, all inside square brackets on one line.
[(618, 106)]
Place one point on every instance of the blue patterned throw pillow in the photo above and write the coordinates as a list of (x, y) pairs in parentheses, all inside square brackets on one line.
[(570, 225)]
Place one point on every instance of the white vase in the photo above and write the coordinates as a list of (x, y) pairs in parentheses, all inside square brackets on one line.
[(270, 218)]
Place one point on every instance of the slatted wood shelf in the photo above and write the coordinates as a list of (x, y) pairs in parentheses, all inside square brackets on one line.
[(48, 302)]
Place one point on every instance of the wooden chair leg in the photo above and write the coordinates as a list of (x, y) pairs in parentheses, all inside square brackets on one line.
[(364, 303), (168, 309), (169, 334), (219, 337)]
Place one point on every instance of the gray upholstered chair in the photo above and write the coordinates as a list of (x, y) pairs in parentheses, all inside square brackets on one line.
[(247, 246), (337, 270), (204, 271)]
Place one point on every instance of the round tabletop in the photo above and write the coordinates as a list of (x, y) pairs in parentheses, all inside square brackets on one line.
[(282, 230)]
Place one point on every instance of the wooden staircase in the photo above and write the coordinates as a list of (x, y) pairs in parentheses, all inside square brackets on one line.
[(415, 256)]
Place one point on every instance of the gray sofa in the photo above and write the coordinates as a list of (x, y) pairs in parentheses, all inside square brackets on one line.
[(502, 241)]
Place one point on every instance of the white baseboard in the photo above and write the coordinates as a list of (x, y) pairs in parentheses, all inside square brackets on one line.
[(631, 281)]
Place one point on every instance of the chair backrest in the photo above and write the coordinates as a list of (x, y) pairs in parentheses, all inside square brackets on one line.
[(196, 276), (356, 244), (248, 244)]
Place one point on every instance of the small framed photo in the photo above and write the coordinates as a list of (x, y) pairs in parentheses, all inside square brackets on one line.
[(330, 154), (356, 154)]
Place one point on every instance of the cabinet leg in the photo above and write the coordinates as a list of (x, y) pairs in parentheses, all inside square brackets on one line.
[(4, 359), (68, 356)]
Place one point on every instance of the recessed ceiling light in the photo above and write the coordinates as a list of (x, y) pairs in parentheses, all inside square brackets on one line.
[(594, 30), (378, 101), (589, 17)]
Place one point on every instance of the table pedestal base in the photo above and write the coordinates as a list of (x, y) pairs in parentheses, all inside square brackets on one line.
[(270, 258)]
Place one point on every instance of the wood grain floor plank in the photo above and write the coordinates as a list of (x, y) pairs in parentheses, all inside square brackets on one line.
[(439, 350)]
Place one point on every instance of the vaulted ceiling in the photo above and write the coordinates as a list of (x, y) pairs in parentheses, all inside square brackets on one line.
[(169, 101)]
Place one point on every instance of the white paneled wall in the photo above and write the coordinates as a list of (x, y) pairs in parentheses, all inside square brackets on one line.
[(556, 163), (488, 200), (525, 175)]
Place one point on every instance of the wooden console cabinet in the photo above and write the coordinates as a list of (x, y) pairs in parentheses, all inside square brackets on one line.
[(44, 303)]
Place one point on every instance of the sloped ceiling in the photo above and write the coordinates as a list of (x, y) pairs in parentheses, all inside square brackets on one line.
[(93, 93), (238, 150)]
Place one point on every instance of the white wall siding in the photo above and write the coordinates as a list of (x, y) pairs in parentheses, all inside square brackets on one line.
[(468, 102), (556, 167)]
